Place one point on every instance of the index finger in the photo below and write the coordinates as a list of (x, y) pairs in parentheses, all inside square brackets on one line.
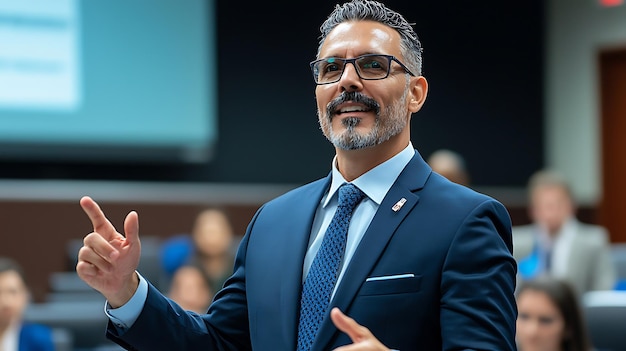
[(100, 223)]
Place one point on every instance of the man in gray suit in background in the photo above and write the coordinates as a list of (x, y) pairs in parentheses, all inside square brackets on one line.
[(557, 243)]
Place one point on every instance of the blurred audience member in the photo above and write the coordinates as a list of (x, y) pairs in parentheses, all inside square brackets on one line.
[(556, 243), (211, 246), (550, 317), (15, 334), (191, 289), (450, 165), (176, 251)]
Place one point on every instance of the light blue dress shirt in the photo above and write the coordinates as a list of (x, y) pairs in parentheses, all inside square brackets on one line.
[(375, 184)]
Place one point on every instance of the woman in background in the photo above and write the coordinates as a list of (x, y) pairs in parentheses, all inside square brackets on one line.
[(191, 288), (550, 317), (210, 245)]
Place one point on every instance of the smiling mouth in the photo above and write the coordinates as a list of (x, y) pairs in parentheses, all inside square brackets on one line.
[(351, 103), (352, 109)]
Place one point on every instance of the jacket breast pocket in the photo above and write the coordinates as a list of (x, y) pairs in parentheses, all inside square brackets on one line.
[(401, 284)]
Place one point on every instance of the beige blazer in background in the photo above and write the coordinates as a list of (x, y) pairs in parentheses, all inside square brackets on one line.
[(589, 263)]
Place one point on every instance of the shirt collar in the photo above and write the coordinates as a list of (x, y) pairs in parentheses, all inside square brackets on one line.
[(376, 182), (566, 231), (11, 337)]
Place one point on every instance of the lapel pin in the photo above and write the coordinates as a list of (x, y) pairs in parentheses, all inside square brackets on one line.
[(398, 205)]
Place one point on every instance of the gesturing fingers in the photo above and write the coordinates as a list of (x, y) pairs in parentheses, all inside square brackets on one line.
[(355, 331), (108, 260), (97, 251), (362, 338), (94, 257), (100, 223), (131, 228)]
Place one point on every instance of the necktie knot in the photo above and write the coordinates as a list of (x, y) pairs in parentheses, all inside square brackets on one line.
[(350, 196)]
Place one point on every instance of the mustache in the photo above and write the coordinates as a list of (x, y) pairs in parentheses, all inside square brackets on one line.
[(353, 96)]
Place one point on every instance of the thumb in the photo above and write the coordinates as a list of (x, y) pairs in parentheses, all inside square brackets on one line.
[(348, 325), (131, 227)]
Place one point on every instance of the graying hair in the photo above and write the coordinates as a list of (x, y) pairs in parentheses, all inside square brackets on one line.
[(369, 10), (551, 178)]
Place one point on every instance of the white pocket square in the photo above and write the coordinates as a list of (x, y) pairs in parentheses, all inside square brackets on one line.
[(390, 277)]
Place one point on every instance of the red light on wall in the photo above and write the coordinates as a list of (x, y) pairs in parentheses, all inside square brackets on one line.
[(611, 3)]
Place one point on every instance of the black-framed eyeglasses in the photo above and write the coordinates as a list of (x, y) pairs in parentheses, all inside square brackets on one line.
[(368, 67)]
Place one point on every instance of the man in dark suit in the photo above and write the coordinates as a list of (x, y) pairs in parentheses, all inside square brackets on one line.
[(427, 264), (15, 334)]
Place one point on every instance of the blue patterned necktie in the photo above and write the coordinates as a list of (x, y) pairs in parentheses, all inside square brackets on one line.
[(320, 282)]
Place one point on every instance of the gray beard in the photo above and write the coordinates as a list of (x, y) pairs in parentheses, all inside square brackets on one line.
[(350, 139)]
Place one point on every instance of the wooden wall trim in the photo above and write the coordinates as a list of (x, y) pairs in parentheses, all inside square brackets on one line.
[(36, 230)]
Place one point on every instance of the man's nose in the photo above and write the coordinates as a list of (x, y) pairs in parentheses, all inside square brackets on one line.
[(350, 79)]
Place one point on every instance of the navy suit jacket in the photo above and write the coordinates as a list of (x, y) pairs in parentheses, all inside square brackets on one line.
[(35, 337), (452, 244)]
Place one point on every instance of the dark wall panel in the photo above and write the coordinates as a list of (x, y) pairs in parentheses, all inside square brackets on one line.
[(483, 61)]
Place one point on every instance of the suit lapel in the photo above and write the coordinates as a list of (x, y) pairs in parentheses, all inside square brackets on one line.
[(296, 243), (372, 246)]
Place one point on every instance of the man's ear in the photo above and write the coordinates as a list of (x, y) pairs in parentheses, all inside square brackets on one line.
[(419, 90)]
